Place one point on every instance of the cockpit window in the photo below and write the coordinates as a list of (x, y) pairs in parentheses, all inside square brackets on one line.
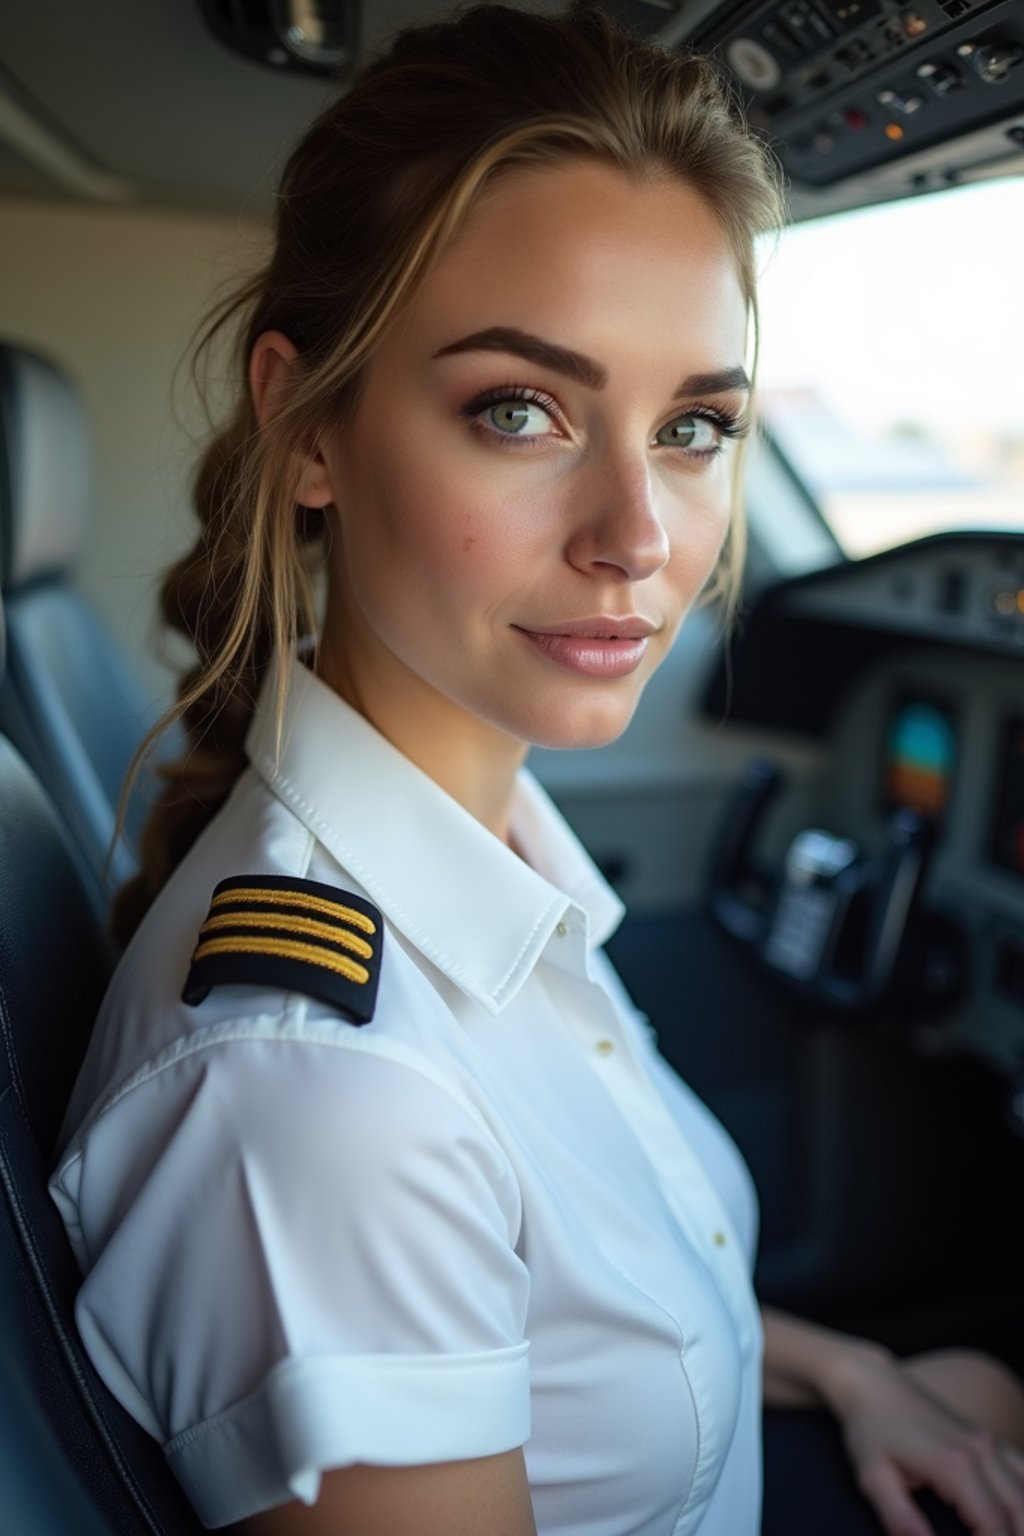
[(891, 357)]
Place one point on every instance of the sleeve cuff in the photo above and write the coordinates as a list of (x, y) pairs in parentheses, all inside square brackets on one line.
[(314, 1414)]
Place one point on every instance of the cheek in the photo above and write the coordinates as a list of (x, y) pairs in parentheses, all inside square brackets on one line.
[(701, 530), (413, 515), (486, 549), (690, 570), (469, 533), (447, 527)]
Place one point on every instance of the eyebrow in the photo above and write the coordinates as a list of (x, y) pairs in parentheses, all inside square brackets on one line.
[(584, 370)]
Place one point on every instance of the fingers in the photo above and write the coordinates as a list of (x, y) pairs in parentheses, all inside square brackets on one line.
[(910, 1433), (885, 1490), (983, 1475), (982, 1485), (981, 1480), (1003, 1469)]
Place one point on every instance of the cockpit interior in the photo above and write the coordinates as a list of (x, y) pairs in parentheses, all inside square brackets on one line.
[(816, 818)]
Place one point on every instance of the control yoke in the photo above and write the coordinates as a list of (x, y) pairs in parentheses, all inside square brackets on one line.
[(832, 922)]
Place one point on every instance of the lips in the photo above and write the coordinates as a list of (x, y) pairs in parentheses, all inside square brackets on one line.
[(630, 627), (598, 647)]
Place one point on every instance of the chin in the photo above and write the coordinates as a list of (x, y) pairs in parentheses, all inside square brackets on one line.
[(577, 726)]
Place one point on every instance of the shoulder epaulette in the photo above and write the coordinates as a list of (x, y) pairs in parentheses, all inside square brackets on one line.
[(297, 935)]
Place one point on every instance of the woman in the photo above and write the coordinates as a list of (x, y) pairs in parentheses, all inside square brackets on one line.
[(392, 1219)]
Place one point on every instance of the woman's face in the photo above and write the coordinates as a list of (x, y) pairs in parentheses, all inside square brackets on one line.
[(536, 483)]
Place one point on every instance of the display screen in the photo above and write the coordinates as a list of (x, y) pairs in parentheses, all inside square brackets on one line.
[(1008, 832), (920, 750)]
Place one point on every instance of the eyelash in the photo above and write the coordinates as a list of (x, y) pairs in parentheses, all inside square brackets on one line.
[(728, 423)]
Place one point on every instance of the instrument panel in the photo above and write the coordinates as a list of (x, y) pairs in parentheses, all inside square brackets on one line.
[(908, 667), (963, 589), (948, 741)]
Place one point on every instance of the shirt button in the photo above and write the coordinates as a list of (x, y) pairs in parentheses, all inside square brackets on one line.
[(561, 929), (605, 1047), (718, 1238)]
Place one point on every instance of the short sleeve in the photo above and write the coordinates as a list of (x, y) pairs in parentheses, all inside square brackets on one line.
[(300, 1256)]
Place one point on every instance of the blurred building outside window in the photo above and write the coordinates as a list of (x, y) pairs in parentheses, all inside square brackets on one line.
[(891, 371)]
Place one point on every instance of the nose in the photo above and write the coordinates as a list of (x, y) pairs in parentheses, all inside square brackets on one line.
[(617, 529)]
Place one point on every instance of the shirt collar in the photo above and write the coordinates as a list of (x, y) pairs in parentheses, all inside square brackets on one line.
[(478, 912)]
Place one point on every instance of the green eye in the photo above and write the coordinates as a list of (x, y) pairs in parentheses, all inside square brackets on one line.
[(510, 416), (519, 418), (689, 432)]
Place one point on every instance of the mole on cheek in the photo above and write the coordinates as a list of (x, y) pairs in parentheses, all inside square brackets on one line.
[(468, 543)]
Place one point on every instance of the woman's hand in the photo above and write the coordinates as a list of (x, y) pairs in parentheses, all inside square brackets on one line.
[(952, 1421), (914, 1424)]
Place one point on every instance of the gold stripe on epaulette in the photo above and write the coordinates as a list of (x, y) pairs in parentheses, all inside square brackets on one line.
[(283, 898), (288, 924), (285, 949)]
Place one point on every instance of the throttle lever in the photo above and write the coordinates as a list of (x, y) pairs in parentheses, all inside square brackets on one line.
[(910, 839)]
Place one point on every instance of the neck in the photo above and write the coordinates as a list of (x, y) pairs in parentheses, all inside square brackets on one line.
[(472, 760)]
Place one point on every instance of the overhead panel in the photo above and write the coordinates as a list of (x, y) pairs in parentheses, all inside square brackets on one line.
[(842, 87)]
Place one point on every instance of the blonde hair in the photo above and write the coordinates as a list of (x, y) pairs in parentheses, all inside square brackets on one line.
[(371, 197)]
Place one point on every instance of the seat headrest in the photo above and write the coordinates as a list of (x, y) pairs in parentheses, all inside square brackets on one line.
[(45, 469)]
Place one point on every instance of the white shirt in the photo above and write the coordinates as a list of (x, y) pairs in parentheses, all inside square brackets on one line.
[(491, 1217)]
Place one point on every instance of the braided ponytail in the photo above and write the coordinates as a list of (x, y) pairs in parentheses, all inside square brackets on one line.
[(244, 589)]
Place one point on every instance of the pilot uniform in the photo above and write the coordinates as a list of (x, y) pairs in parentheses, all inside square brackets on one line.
[(473, 1211)]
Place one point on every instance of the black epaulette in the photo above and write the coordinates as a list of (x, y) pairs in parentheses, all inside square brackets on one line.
[(297, 935)]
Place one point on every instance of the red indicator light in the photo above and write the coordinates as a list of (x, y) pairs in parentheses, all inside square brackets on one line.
[(855, 119)]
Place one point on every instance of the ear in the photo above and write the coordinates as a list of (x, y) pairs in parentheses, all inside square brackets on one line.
[(273, 366)]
